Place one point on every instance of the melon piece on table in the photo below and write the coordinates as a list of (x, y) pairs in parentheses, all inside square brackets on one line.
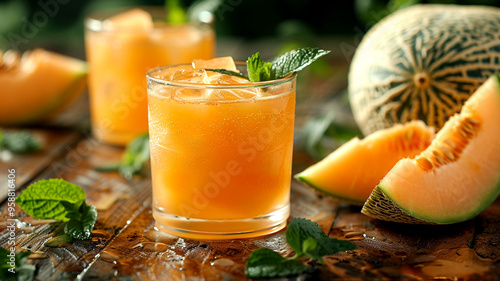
[(37, 85), (456, 177), (422, 62), (352, 171)]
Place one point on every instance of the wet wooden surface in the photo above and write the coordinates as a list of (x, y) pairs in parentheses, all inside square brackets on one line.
[(124, 245)]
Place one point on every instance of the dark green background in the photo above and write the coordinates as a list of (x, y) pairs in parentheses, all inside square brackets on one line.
[(244, 19)]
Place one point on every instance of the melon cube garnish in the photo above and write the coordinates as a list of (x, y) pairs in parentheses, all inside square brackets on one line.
[(135, 19), (216, 63)]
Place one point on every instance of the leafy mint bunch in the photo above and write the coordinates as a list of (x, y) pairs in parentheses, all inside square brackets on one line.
[(288, 63), (60, 200), (306, 239)]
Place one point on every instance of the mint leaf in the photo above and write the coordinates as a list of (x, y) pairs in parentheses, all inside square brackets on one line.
[(19, 142), (60, 200), (227, 72), (265, 263), (309, 246), (45, 199), (59, 241), (175, 11), (300, 230), (81, 224), (136, 155), (258, 70), (23, 271), (294, 61)]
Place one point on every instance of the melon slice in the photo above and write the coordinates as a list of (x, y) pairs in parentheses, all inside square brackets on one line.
[(37, 85), (352, 171), (456, 177)]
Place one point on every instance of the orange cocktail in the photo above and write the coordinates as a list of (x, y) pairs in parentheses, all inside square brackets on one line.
[(221, 152), (121, 47)]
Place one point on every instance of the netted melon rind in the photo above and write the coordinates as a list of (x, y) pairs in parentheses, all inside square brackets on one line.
[(381, 207)]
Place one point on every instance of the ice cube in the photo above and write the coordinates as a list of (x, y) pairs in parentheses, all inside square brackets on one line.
[(238, 94), (135, 19), (192, 76), (231, 80), (216, 63)]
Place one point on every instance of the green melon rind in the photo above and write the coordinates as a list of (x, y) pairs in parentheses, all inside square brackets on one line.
[(77, 85), (380, 205), (310, 184)]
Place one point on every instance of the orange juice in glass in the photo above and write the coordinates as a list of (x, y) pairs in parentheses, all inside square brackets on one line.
[(121, 45), (221, 152)]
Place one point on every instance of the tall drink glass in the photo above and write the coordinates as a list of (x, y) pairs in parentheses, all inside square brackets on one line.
[(221, 154), (120, 54)]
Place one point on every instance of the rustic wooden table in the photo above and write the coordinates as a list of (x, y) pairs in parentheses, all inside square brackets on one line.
[(124, 245)]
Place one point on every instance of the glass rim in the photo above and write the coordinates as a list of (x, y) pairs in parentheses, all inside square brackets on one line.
[(94, 21), (263, 84)]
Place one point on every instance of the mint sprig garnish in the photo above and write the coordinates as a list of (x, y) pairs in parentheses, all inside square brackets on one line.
[(286, 64), (59, 200), (19, 142), (18, 270), (307, 239), (136, 155), (176, 13), (294, 61), (259, 70)]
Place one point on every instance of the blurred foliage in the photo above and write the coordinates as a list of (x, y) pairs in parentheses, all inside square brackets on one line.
[(323, 134)]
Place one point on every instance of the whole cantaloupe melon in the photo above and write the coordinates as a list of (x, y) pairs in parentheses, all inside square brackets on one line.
[(423, 62)]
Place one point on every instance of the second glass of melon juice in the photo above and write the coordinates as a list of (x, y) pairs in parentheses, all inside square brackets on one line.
[(121, 45), (221, 152)]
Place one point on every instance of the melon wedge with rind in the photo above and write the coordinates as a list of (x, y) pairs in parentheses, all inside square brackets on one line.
[(456, 177), (42, 84), (352, 171)]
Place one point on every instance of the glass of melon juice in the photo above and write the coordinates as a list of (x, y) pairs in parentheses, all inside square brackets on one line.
[(121, 45), (221, 151)]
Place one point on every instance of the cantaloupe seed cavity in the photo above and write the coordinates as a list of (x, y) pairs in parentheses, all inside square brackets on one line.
[(449, 150)]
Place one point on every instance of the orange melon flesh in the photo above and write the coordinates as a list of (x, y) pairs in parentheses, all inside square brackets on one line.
[(459, 189), (40, 85), (352, 171)]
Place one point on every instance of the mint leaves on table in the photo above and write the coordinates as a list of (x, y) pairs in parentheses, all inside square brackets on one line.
[(60, 200), (19, 142), (307, 239), (136, 155), (288, 63), (13, 267), (266, 263)]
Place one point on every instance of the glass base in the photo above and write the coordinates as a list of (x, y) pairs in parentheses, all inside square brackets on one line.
[(117, 138), (202, 229)]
